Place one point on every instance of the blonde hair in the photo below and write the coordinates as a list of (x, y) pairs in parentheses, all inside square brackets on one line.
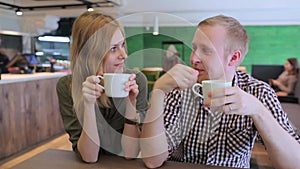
[(236, 35), (91, 37)]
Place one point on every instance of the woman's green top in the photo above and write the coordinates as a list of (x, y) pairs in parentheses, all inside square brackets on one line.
[(113, 117)]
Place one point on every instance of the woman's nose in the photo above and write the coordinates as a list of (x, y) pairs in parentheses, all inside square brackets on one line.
[(123, 54)]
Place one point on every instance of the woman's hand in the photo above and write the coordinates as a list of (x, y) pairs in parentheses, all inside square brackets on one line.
[(133, 89), (179, 76), (91, 90)]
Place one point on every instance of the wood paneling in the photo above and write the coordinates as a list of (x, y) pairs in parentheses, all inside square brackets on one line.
[(29, 113)]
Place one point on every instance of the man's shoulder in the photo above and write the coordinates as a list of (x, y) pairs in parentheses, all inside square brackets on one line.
[(253, 86), (247, 79)]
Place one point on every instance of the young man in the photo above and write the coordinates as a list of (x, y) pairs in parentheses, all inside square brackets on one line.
[(182, 127)]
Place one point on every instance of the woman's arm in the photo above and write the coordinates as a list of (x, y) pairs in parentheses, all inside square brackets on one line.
[(89, 143), (131, 134), (136, 104), (290, 85)]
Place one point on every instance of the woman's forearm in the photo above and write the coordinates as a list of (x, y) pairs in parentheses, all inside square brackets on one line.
[(131, 133), (130, 141), (89, 143)]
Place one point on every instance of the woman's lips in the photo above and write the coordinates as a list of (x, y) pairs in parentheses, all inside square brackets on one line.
[(119, 65)]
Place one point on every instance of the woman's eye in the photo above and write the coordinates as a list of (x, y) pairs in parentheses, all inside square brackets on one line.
[(113, 49), (123, 44)]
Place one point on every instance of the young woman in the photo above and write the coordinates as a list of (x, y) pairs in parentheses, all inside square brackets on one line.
[(285, 84), (96, 123)]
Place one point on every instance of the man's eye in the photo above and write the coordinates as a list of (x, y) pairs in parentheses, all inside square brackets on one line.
[(206, 51)]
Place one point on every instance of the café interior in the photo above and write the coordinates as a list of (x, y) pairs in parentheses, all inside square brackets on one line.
[(35, 36)]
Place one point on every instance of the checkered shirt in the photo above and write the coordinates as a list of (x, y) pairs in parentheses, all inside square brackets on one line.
[(196, 135)]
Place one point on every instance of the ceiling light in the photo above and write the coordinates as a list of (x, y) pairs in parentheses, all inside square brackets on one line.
[(155, 26), (19, 12), (90, 8), (54, 39)]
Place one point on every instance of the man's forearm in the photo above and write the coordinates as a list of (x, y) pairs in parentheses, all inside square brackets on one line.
[(283, 149)]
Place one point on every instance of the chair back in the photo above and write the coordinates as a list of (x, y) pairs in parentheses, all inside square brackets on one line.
[(152, 74)]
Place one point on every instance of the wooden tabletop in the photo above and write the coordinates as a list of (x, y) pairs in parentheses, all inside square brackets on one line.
[(62, 159)]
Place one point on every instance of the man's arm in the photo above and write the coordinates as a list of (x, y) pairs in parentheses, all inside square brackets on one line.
[(283, 149), (154, 143)]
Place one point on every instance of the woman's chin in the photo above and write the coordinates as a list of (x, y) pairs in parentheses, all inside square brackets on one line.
[(119, 70)]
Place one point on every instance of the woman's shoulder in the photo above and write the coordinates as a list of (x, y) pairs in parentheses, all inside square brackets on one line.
[(65, 79), (64, 82)]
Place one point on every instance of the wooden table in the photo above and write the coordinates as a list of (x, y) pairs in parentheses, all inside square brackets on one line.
[(62, 159)]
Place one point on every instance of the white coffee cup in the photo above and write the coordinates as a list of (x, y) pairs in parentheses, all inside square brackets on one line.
[(114, 84), (209, 85)]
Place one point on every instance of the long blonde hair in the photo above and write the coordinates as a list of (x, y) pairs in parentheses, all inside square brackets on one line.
[(91, 37)]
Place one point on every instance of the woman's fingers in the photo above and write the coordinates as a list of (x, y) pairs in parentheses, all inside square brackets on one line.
[(131, 85), (91, 89)]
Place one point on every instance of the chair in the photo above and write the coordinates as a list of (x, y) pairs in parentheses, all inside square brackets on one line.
[(266, 72), (152, 74)]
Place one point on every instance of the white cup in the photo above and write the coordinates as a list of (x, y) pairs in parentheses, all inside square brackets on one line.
[(208, 85), (114, 84)]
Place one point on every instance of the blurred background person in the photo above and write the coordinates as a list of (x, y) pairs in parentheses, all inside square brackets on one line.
[(285, 84), (171, 58)]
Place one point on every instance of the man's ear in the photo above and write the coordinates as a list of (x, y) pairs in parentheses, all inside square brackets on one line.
[(234, 58)]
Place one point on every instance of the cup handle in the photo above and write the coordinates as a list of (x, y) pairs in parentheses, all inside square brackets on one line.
[(194, 90), (100, 77)]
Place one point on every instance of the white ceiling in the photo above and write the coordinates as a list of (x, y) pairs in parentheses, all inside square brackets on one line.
[(142, 12), (189, 10)]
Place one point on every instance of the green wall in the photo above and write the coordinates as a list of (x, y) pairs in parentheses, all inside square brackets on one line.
[(146, 50), (268, 44), (272, 44)]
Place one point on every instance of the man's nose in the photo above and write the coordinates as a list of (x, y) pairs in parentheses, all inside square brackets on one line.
[(195, 58)]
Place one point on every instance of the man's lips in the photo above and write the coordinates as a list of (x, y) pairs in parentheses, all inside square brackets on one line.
[(201, 71)]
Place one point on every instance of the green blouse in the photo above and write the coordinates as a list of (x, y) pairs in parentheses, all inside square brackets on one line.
[(110, 117)]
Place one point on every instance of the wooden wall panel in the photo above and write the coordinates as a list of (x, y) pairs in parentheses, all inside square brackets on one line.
[(29, 114)]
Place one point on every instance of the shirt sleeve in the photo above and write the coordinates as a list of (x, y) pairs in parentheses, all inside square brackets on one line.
[(269, 99), (142, 102), (70, 121), (172, 122)]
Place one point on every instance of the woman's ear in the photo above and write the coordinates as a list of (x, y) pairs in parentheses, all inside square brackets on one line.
[(234, 58)]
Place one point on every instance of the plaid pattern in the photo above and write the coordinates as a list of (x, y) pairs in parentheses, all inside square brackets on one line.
[(196, 135)]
